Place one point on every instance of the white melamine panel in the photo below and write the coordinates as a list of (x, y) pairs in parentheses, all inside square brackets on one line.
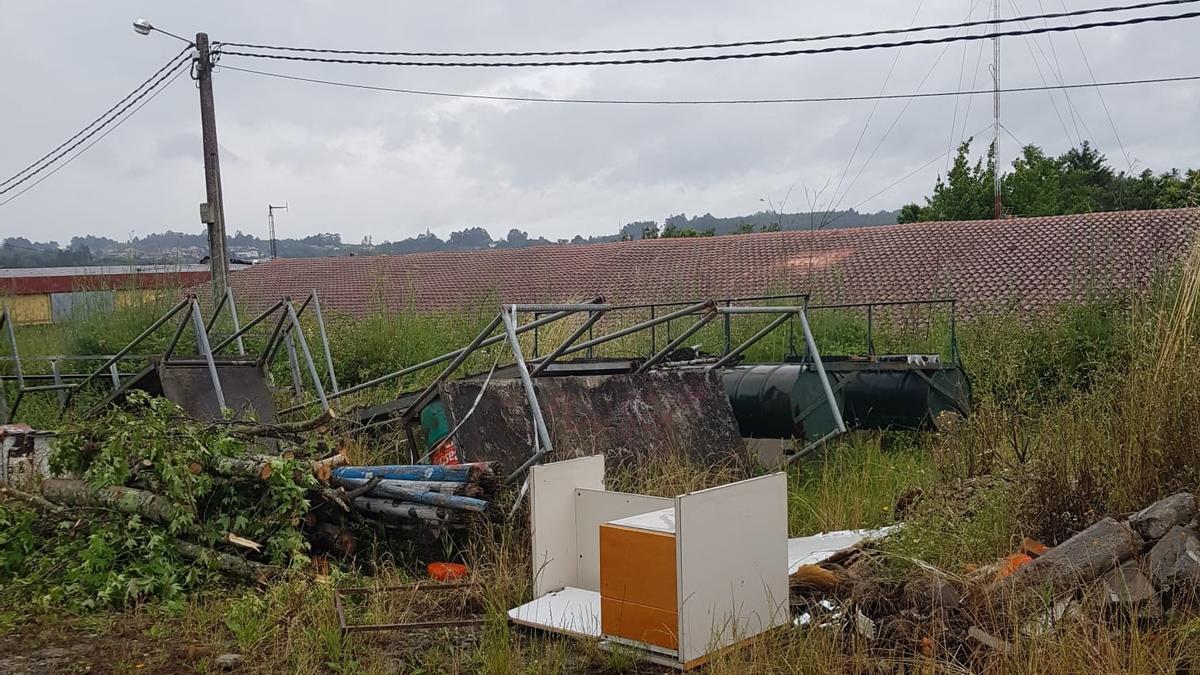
[(732, 553), (593, 507), (552, 518), (571, 610)]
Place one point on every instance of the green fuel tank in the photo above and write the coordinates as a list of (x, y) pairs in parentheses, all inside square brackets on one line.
[(787, 401)]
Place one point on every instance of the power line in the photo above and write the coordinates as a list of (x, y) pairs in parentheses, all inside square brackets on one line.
[(1158, 18), (96, 121), (744, 101), (871, 115), (715, 45), (156, 91), (83, 137), (1103, 104)]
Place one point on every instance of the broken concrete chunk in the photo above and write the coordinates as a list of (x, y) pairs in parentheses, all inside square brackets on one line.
[(1080, 559), (983, 637), (1156, 520), (1175, 559), (1127, 584), (931, 592), (229, 661)]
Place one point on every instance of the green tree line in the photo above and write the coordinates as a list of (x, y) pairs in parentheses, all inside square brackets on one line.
[(1078, 181)]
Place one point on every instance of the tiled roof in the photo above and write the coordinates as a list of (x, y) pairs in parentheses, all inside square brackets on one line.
[(1032, 263)]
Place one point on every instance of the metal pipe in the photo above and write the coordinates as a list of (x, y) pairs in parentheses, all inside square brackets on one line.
[(571, 307), (212, 320), (166, 355), (312, 367), (129, 347), (586, 327), (539, 423), (268, 351), (333, 383), (463, 354), (56, 373), (653, 332), (272, 349), (48, 387), (690, 309), (728, 328), (731, 355), (206, 351), (3, 416), (294, 365), (751, 309), (116, 376), (6, 318), (870, 330), (12, 413), (237, 335), (408, 370), (233, 315), (662, 353), (816, 357), (810, 447), (885, 303)]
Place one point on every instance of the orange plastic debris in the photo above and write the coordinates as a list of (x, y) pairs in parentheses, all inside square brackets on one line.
[(1012, 563), (814, 576), (1033, 547), (442, 571), (927, 646)]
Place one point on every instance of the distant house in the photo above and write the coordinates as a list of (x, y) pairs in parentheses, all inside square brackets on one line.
[(51, 294), (1031, 264)]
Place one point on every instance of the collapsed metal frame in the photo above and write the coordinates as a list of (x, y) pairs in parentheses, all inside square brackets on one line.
[(287, 330), (703, 313)]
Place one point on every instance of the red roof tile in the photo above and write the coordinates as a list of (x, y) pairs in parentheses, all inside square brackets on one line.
[(1035, 263)]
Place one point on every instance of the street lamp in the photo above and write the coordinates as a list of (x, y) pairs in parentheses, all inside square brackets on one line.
[(212, 210), (143, 27)]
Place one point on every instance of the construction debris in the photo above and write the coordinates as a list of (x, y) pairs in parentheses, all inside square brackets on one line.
[(1135, 569)]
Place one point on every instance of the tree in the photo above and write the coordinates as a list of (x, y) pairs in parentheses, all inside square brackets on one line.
[(744, 228), (965, 193)]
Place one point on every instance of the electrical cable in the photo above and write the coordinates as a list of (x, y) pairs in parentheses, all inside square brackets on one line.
[(1158, 18), (888, 131), (171, 63), (745, 101), (716, 45), (870, 116), (159, 88), (1103, 103)]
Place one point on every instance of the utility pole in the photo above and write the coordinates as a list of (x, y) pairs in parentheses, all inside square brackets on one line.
[(271, 223), (997, 209), (213, 211)]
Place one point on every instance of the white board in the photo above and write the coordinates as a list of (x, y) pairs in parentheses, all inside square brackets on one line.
[(593, 507), (815, 548), (572, 610), (731, 549), (552, 518), (662, 520)]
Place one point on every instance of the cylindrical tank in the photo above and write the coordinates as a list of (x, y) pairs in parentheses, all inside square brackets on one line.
[(787, 400)]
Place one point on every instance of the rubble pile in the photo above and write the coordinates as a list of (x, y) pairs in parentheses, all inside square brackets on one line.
[(1137, 569)]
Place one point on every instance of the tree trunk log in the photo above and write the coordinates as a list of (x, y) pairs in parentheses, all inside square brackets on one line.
[(323, 468), (229, 564), (285, 429), (258, 467), (126, 500)]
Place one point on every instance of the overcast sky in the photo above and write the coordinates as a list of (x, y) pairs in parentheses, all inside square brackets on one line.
[(390, 165)]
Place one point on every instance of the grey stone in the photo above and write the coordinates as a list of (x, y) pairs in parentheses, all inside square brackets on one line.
[(1127, 584), (931, 592), (229, 661), (1156, 520), (1175, 559), (1080, 559)]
